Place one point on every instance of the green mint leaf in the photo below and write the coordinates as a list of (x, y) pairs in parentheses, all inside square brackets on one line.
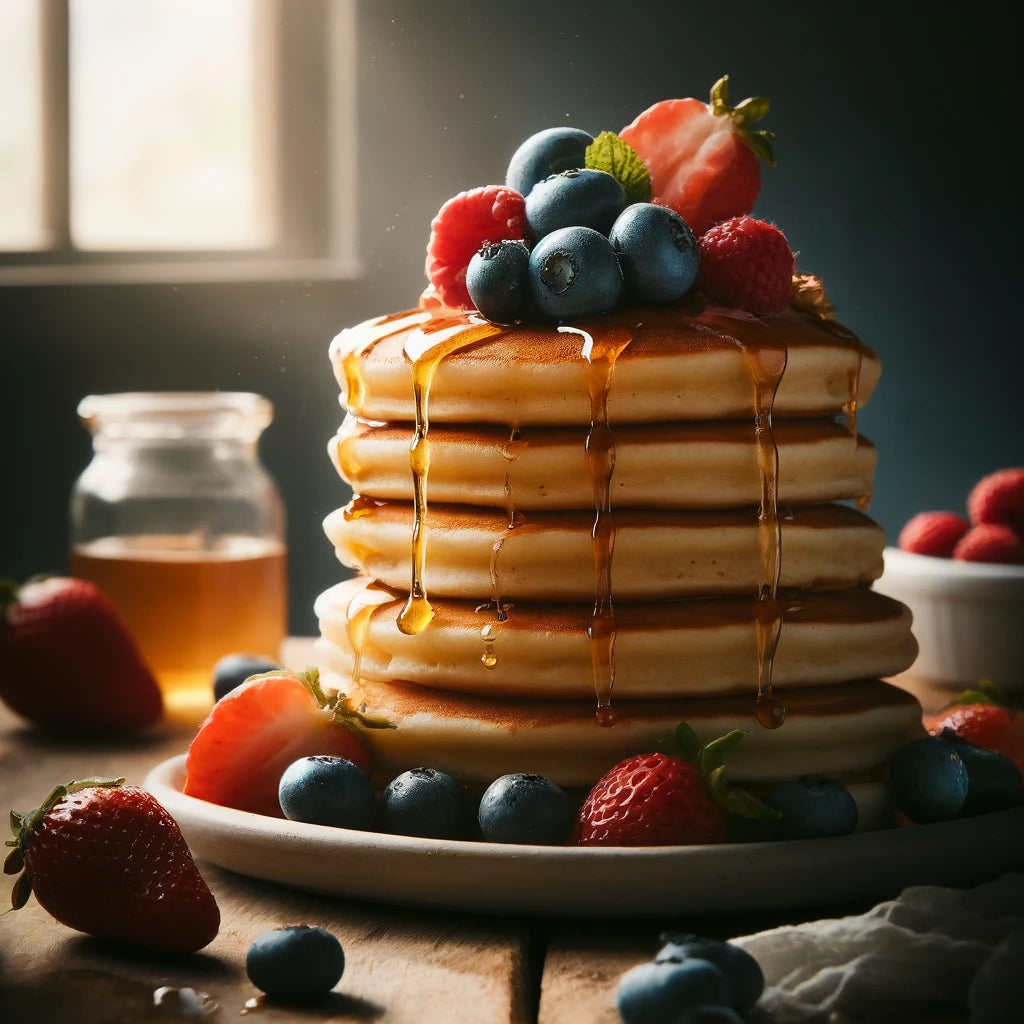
[(610, 153)]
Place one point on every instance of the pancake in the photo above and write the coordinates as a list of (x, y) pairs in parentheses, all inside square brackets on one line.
[(657, 553), (655, 364), (672, 465), (662, 650), (842, 732)]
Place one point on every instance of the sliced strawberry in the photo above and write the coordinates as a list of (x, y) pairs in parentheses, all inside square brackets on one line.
[(703, 157), (933, 533), (254, 733), (492, 213)]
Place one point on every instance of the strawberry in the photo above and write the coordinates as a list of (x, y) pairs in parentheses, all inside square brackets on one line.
[(492, 213), (108, 860), (67, 660), (254, 733), (666, 799), (746, 263), (985, 718), (702, 157), (998, 499), (933, 533), (990, 542)]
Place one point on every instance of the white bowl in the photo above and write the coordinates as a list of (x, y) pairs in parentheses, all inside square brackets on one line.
[(968, 617)]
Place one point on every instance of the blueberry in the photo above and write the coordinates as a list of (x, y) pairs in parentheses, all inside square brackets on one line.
[(741, 970), (929, 780), (233, 669), (657, 252), (669, 992), (327, 790), (498, 280), (993, 780), (574, 273), (581, 198), (813, 806), (522, 808), (296, 961), (546, 153), (428, 803)]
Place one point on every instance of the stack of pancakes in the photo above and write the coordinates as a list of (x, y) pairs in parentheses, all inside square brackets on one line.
[(570, 539)]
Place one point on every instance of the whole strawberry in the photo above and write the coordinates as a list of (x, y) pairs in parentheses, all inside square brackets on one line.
[(666, 800), (746, 263), (703, 157), (67, 661), (985, 718), (108, 860), (998, 500), (933, 533)]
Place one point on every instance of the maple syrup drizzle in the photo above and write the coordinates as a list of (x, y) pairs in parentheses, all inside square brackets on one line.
[(425, 347), (358, 617), (600, 352)]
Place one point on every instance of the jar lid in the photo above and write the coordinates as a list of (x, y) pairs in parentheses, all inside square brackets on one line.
[(177, 415)]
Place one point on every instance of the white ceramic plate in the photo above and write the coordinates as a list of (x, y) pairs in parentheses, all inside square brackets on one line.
[(574, 881)]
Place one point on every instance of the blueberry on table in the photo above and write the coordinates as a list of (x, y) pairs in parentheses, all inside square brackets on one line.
[(521, 808), (741, 970), (498, 281), (813, 806), (427, 803), (670, 991), (295, 961), (574, 273), (580, 198), (929, 780), (233, 669), (325, 790), (545, 153), (657, 252)]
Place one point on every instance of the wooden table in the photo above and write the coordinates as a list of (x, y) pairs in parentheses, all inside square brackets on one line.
[(403, 966)]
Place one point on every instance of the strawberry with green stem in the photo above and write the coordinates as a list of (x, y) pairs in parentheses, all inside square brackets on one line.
[(985, 717)]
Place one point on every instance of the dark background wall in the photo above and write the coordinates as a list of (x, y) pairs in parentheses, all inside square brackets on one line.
[(898, 183)]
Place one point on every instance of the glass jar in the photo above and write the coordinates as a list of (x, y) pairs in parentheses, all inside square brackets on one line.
[(177, 521)]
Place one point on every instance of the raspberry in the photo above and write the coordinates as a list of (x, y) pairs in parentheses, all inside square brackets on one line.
[(990, 542), (492, 213), (999, 499), (933, 533), (746, 263)]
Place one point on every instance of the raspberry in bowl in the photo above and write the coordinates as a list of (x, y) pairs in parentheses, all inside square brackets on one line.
[(963, 578)]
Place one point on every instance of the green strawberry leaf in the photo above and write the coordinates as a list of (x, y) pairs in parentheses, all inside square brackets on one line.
[(744, 116), (21, 892), (762, 143), (687, 744), (616, 156), (712, 757), (14, 862)]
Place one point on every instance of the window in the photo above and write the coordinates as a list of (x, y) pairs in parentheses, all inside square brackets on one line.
[(176, 138)]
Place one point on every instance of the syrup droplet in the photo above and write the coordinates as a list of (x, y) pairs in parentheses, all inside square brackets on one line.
[(770, 713)]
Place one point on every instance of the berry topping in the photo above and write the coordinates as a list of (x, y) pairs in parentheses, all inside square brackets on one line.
[(748, 264), (703, 157), (295, 961), (492, 213), (428, 803), (498, 281), (741, 970), (929, 780), (998, 499), (933, 533), (813, 806), (108, 860), (655, 993), (580, 198), (326, 790), (254, 733), (984, 718), (548, 152), (233, 669), (663, 800), (657, 253), (574, 273), (990, 542), (522, 808)]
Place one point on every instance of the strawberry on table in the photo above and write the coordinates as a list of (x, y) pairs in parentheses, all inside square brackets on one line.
[(703, 157), (108, 860), (67, 660), (661, 799), (255, 732)]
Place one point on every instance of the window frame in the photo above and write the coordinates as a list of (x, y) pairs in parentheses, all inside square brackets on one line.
[(310, 58)]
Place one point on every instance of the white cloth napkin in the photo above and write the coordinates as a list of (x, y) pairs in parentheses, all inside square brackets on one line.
[(933, 954)]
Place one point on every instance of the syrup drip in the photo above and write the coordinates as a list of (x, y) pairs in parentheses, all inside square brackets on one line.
[(425, 348), (358, 617), (600, 354)]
